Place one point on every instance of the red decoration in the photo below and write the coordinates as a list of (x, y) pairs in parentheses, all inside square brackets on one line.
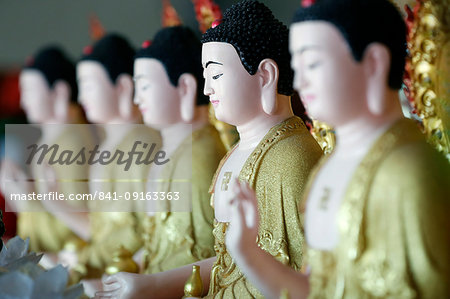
[(96, 30), (207, 13), (411, 16), (146, 44), (9, 94), (87, 50), (216, 23), (307, 3), (169, 15)]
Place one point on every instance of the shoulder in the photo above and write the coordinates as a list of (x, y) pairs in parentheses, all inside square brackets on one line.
[(206, 144), (416, 161), (144, 134), (417, 174), (297, 149)]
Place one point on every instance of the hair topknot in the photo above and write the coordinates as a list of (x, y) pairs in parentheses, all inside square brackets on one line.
[(362, 22), (250, 27)]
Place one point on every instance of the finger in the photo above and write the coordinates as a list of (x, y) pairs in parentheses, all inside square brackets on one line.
[(107, 294), (234, 213), (251, 202), (235, 186), (251, 219), (248, 191), (241, 212), (237, 193), (112, 286), (109, 279)]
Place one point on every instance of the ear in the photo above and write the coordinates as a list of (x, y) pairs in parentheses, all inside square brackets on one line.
[(187, 92), (62, 93), (377, 64), (124, 89), (269, 73)]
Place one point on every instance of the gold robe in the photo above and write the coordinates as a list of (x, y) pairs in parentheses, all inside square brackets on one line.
[(180, 238), (277, 170), (110, 230), (394, 226), (46, 232)]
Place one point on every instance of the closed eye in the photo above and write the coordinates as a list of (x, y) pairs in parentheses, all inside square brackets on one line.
[(145, 87), (217, 76), (314, 65)]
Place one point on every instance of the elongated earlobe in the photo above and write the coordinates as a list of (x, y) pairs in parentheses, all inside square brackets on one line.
[(187, 90), (269, 73), (124, 88), (61, 99), (377, 60)]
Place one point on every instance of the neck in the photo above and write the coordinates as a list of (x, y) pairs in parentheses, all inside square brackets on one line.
[(75, 114), (116, 132), (253, 131), (172, 136), (51, 121), (359, 131), (120, 121), (51, 131)]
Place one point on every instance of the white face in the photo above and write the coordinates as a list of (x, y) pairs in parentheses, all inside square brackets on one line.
[(233, 92), (330, 82), (35, 96), (157, 98), (96, 93)]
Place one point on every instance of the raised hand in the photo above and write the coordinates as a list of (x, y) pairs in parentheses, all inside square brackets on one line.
[(243, 229), (125, 286)]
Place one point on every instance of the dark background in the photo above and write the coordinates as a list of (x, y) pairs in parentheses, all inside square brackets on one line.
[(26, 25)]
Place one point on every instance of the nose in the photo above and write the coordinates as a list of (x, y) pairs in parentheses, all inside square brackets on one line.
[(80, 96), (297, 81), (300, 80), (207, 89), (299, 75), (136, 98)]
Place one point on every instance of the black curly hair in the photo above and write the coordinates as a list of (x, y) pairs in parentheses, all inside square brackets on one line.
[(251, 28), (114, 52), (53, 63), (363, 22), (180, 52)]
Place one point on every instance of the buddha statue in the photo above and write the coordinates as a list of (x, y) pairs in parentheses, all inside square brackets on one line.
[(168, 76), (248, 80), (48, 97), (376, 221), (104, 75)]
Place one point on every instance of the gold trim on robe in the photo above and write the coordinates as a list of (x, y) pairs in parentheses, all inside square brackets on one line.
[(175, 239), (110, 230), (394, 239), (46, 232), (277, 170)]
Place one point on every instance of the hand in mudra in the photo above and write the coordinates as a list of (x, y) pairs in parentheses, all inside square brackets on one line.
[(243, 229), (124, 286)]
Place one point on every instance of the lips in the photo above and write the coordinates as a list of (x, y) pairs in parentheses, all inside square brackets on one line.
[(215, 102), (143, 109), (308, 98)]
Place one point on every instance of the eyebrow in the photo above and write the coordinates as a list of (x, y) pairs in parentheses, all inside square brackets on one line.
[(84, 77), (135, 78), (307, 48), (212, 62)]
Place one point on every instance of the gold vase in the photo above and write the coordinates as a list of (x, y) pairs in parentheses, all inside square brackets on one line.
[(194, 285)]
